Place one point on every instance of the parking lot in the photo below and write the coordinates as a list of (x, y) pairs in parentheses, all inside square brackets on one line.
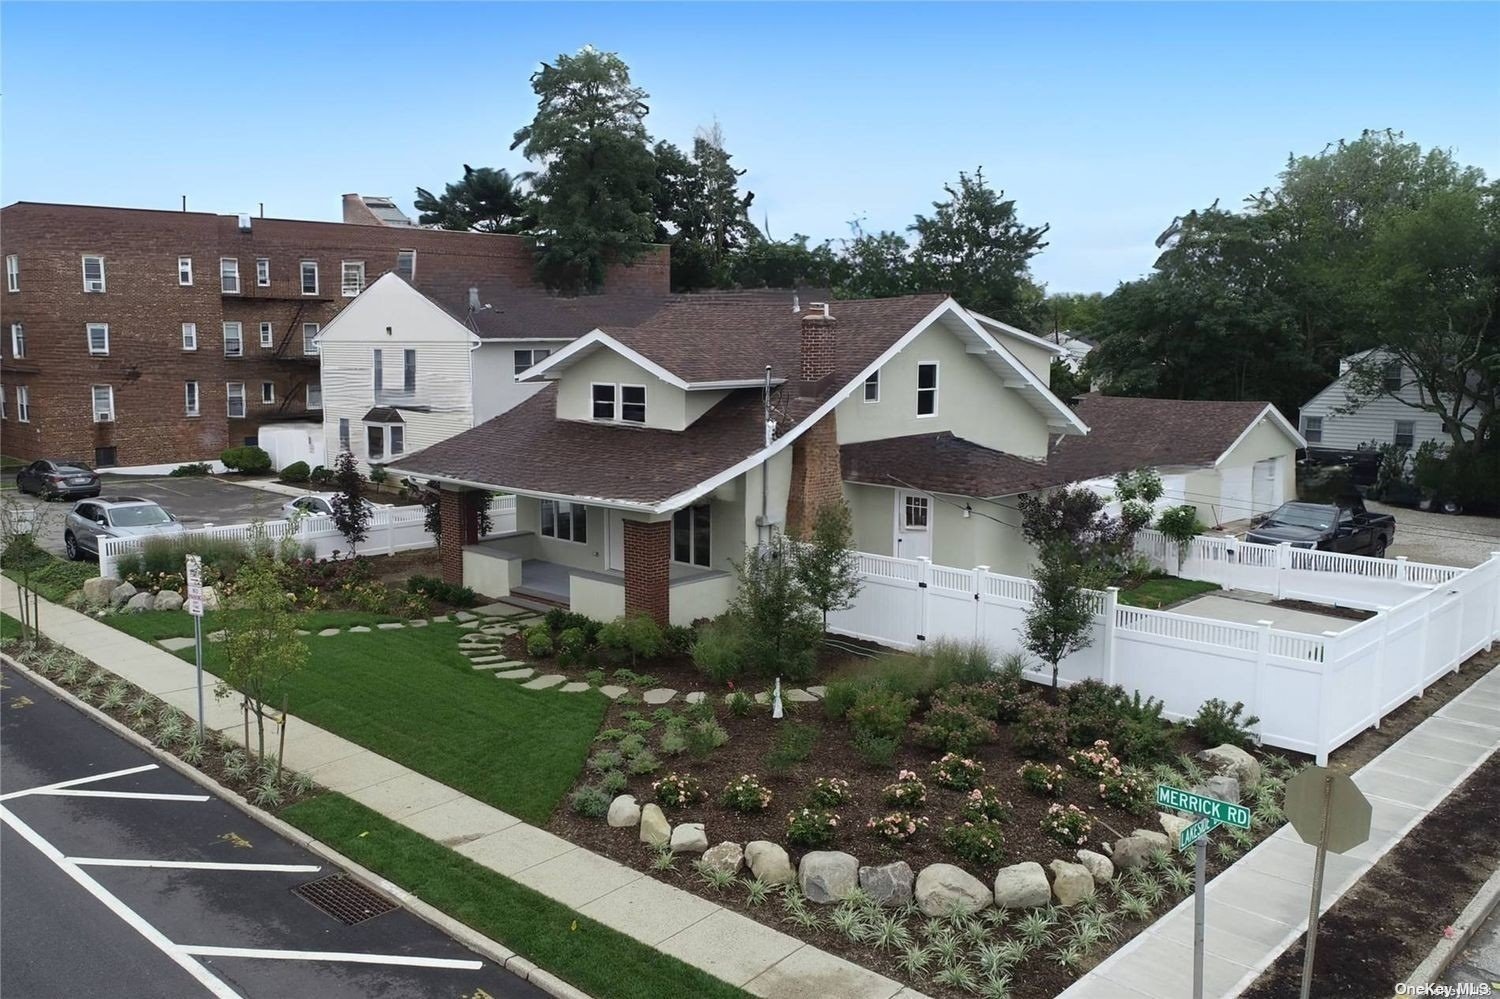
[(124, 878)]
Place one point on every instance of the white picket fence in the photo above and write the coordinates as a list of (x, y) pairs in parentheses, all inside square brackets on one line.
[(1312, 693), (391, 529)]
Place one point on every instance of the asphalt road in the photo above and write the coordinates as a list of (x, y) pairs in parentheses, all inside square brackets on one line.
[(83, 915)]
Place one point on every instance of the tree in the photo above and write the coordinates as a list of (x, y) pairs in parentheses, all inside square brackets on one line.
[(788, 263), (782, 630), (261, 645), (20, 525), (351, 513), (485, 199), (1072, 312), (597, 177), (1060, 618), (700, 211), (827, 565), (1072, 520), (1066, 383)]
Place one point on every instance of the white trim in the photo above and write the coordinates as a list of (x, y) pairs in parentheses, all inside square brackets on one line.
[(599, 338), (313, 341), (397, 270), (344, 285), (17, 341), (262, 272), (692, 541), (12, 272), (937, 372), (229, 400), (576, 509), (103, 284), (185, 270), (23, 404), (442, 314), (1031, 381), (226, 274), (1020, 334), (864, 394), (88, 335), (267, 335), (309, 400), (1276, 418), (263, 400), (239, 339), (622, 404), (302, 266), (189, 328), (531, 359), (192, 401), (94, 403), (614, 402)]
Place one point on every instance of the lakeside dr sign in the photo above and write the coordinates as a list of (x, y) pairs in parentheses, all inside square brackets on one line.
[(1223, 812)]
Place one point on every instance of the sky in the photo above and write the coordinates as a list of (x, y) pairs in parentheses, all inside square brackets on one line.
[(1103, 120)]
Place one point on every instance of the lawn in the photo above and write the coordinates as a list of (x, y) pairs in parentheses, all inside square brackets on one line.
[(1164, 591), (151, 625), (409, 695), (55, 578), (591, 956)]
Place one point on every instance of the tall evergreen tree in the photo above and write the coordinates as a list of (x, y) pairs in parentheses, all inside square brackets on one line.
[(701, 212), (484, 200)]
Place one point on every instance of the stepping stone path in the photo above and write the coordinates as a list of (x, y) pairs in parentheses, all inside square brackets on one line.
[(517, 674), (819, 692), (359, 629), (390, 625), (795, 694), (328, 631), (419, 623), (696, 697), (465, 616), (613, 690), (659, 695), (470, 625), (543, 682), (574, 687), (301, 632)]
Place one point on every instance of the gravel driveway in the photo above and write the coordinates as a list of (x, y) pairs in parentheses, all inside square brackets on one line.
[(1440, 539)]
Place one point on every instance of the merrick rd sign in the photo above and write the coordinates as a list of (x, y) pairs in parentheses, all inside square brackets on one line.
[(1226, 812)]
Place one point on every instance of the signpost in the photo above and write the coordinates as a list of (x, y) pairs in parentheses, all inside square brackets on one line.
[(1212, 813), (1330, 812), (195, 608)]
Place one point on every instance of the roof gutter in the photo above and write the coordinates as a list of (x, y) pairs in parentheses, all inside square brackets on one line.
[(614, 504)]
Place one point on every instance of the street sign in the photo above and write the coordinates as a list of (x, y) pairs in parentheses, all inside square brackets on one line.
[(1196, 831), (195, 585), (1227, 812)]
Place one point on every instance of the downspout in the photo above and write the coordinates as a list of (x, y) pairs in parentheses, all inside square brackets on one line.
[(764, 533)]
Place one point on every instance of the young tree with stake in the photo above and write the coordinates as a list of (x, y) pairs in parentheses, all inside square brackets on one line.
[(827, 566), (1058, 623), (351, 514), (261, 645)]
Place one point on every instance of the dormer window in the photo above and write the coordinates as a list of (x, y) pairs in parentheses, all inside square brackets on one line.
[(633, 403), (604, 402), (619, 403)]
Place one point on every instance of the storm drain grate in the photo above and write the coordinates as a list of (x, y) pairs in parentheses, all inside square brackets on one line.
[(344, 899)]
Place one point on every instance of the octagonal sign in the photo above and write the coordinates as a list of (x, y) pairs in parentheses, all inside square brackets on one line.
[(1348, 810)]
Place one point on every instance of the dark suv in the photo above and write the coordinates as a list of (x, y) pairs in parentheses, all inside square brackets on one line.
[(58, 480)]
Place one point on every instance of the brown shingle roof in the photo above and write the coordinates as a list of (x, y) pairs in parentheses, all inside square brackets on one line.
[(943, 463), (1128, 433), (517, 311)]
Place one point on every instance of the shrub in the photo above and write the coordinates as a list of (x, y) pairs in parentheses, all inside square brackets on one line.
[(957, 728), (960, 662), (828, 792), (811, 827), (1127, 790), (1067, 824), (1010, 685), (1094, 711), (643, 763), (606, 759), (896, 827), (678, 790), (248, 459), (635, 635), (1180, 524), (746, 794), (1145, 736), (572, 648), (880, 712), (678, 638), (876, 750), (561, 619), (674, 741), (957, 772), (1041, 728), (1045, 779), (538, 641), (793, 744), (984, 804), (741, 704), (612, 782), (907, 792), (297, 471), (630, 743), (719, 650), (838, 698), (442, 591), (191, 469), (1095, 762), (783, 631), (980, 843), (703, 737), (1218, 722), (321, 476), (590, 802)]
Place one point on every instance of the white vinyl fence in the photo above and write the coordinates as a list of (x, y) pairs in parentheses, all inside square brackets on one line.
[(392, 529), (1312, 693)]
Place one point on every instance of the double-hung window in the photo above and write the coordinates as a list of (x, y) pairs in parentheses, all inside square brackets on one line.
[(310, 338), (527, 358), (1405, 434), (104, 403), (343, 433), (98, 334), (314, 395), (190, 398), (309, 277), (263, 272), (633, 403), (690, 535), (234, 340), (189, 336), (267, 335), (267, 393), (23, 404), (229, 275), (185, 271), (1390, 377), (406, 263), (927, 388), (234, 394), (565, 521), (604, 401), (93, 274), (12, 272), (408, 388), (354, 277), (623, 403), (872, 387), (1312, 429), (17, 341)]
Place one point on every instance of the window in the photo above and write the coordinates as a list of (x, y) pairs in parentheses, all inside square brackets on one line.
[(229, 275), (604, 402), (263, 272), (914, 516), (375, 441), (2, 402), (1390, 376), (690, 535), (189, 336), (190, 398), (12, 273), (234, 341), (872, 388), (185, 271), (1406, 433), (93, 274), (408, 375), (633, 403), (234, 393), (354, 277), (1312, 429), (527, 358), (23, 404), (314, 395), (267, 393), (309, 277), (267, 335), (104, 457), (98, 334), (395, 439), (409, 372), (104, 403), (565, 521), (17, 340), (406, 264), (927, 388), (309, 335), (343, 433)]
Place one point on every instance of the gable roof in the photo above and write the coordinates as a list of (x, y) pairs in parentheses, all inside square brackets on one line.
[(943, 463)]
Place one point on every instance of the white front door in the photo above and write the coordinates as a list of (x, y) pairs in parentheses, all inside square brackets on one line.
[(913, 525), (616, 528), (1264, 488)]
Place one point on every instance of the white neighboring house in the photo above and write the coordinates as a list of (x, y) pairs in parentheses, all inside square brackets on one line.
[(1394, 417), (1076, 348)]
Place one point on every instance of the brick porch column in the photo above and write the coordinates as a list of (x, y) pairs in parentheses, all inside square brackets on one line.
[(648, 559), (459, 518)]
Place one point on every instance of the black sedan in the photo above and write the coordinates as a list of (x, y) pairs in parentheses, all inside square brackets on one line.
[(58, 479)]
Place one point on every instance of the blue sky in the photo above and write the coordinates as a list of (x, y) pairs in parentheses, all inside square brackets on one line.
[(1104, 120)]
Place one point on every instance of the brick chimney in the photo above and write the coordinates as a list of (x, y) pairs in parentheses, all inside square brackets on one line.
[(819, 348)]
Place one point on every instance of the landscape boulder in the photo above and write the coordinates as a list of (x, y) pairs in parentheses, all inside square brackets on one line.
[(120, 594), (1136, 849), (210, 598), (689, 837), (725, 857), (169, 600), (1022, 886), (1098, 865), (888, 884), (1235, 762), (1071, 883), (140, 603), (1172, 825), (655, 829), (943, 890), (624, 812), (828, 875), (769, 863), (1220, 786), (96, 591)]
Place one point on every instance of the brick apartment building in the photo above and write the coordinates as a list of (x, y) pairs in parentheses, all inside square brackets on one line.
[(140, 337)]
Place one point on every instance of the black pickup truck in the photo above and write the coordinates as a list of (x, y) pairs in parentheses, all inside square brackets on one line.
[(1344, 526)]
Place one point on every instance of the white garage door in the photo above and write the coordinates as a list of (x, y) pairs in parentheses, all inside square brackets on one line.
[(1265, 485)]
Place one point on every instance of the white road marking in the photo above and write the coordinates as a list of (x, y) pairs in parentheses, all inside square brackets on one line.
[(192, 865), (153, 936), (78, 780), (140, 795), (328, 955)]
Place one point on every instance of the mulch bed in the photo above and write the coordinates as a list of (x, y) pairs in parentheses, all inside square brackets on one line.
[(1378, 933), (1326, 610)]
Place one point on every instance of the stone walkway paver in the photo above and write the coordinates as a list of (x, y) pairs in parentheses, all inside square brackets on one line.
[(659, 695), (733, 947), (612, 690), (525, 673), (1258, 907), (544, 681)]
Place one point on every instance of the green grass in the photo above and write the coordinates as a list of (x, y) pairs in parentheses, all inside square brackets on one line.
[(1164, 591), (595, 958), (152, 625), (9, 626), (55, 578), (409, 695)]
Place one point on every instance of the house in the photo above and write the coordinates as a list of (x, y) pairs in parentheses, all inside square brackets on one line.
[(653, 455), (1334, 425), (1076, 348)]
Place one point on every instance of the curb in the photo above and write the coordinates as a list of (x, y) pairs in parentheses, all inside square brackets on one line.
[(469, 937), (1467, 924)]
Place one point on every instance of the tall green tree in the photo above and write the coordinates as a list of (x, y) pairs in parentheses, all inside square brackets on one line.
[(1060, 619), (485, 199), (700, 210), (827, 565), (596, 176)]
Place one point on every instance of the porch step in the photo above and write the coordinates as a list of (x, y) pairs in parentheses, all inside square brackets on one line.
[(534, 600)]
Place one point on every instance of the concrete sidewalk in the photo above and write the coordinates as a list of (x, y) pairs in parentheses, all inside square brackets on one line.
[(727, 945), (1258, 908)]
